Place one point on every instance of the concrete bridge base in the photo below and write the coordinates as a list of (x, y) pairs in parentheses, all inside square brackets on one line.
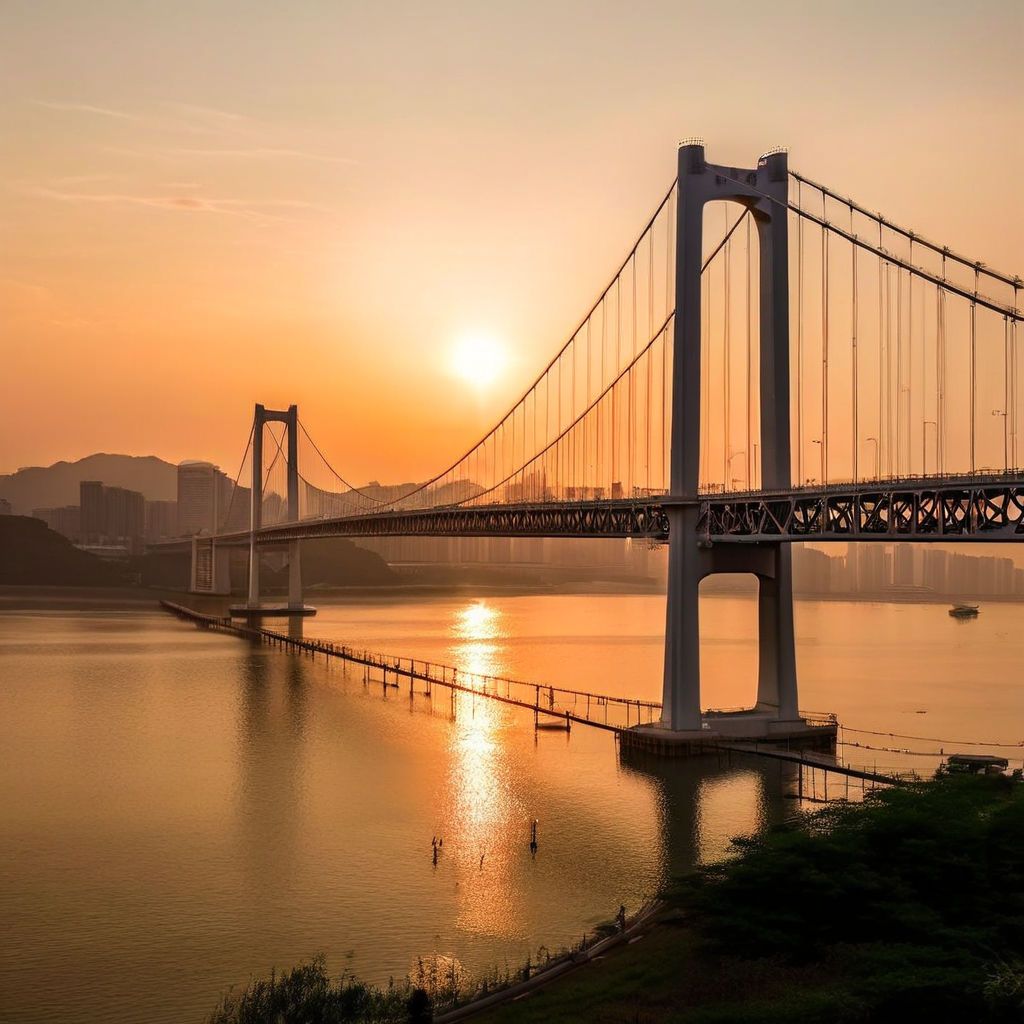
[(722, 728), (252, 613)]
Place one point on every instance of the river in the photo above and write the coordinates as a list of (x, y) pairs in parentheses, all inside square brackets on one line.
[(181, 810)]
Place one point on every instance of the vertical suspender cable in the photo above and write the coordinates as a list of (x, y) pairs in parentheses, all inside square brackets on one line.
[(1006, 394), (705, 360), (586, 450), (648, 357), (910, 367), (727, 330), (941, 429), (664, 346), (615, 369), (799, 339), (899, 372), (974, 371), (748, 483), (1014, 383), (630, 420), (892, 448), (824, 348), (600, 412), (881, 437), (855, 396)]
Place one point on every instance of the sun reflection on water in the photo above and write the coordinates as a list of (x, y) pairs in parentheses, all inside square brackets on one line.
[(476, 631), (484, 814)]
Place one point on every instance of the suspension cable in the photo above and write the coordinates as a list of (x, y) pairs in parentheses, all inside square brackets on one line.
[(238, 475), (926, 275), (351, 487), (609, 389), (913, 236)]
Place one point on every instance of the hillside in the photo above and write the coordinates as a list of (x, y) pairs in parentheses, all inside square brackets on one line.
[(50, 486), (334, 562), (31, 554)]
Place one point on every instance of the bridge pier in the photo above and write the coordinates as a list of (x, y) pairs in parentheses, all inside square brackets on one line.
[(210, 571), (776, 674), (764, 192), (295, 601)]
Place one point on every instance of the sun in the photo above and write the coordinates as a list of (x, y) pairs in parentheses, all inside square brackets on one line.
[(478, 358)]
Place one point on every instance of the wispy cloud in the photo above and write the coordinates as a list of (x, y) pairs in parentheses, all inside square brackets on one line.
[(209, 112), (87, 108), (266, 153), (253, 209)]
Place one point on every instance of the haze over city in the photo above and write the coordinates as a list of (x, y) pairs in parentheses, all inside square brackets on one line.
[(195, 220), (488, 484)]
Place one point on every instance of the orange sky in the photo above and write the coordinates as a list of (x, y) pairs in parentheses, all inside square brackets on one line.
[(207, 205)]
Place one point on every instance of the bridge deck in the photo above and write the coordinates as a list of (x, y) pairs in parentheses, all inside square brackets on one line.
[(979, 508)]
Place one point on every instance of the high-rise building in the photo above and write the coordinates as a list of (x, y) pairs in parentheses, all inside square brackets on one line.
[(812, 570), (65, 520), (936, 569), (93, 512), (111, 515), (903, 567), (209, 502), (161, 520), (198, 496), (870, 567), (125, 514)]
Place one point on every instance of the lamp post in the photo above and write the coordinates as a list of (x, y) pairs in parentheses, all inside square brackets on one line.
[(924, 439), (821, 449), (728, 463), (1006, 439), (878, 457)]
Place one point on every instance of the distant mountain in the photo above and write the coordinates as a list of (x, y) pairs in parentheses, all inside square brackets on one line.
[(52, 486)]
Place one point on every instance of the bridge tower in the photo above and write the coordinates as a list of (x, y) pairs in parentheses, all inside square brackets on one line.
[(764, 191), (290, 418)]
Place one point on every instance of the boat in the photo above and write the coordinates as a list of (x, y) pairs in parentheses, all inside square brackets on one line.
[(964, 611)]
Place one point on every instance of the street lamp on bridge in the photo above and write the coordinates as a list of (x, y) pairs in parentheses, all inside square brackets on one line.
[(1006, 439), (878, 456), (728, 463), (821, 448), (924, 450)]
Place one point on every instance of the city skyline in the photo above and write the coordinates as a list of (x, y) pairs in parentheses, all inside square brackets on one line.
[(193, 241)]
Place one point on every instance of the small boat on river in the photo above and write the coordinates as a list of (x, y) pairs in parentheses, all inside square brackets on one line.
[(964, 611)]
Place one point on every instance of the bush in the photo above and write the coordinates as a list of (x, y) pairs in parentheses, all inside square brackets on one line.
[(917, 896), (306, 995)]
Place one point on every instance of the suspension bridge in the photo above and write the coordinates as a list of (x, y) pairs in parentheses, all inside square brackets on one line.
[(771, 362)]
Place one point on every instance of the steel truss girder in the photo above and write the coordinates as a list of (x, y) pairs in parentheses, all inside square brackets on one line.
[(991, 512), (543, 519)]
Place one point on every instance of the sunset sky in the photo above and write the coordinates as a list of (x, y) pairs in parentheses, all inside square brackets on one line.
[(204, 206)]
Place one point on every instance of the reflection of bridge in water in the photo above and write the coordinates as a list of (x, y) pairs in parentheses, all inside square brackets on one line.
[(689, 406)]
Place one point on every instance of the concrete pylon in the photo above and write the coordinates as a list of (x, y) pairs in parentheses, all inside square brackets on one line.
[(290, 418), (764, 192)]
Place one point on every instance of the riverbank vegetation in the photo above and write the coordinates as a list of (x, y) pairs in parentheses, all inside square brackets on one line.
[(908, 907)]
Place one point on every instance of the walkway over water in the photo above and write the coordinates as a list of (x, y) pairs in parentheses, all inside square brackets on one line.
[(552, 706)]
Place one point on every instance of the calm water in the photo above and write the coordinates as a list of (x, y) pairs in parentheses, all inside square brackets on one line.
[(181, 810)]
